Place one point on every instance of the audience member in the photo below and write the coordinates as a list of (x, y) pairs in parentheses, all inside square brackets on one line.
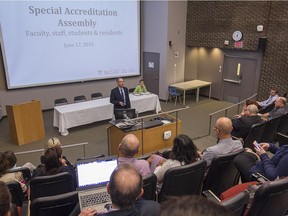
[(192, 206), (51, 143), (141, 88), (226, 144), (8, 177), (183, 152), (272, 97), (5, 200), (247, 163), (242, 125), (12, 160), (278, 110), (119, 96), (54, 164), (247, 103), (128, 148), (125, 189)]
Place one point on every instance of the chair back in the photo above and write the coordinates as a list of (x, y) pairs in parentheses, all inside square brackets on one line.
[(25, 172), (80, 98), (283, 125), (17, 196), (237, 204), (172, 91), (255, 133), (60, 101), (131, 90), (183, 180), (96, 95), (51, 185), (270, 130), (149, 186), (222, 173), (58, 205), (270, 199), (89, 158)]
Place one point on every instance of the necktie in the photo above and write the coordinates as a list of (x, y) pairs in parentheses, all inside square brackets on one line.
[(123, 96)]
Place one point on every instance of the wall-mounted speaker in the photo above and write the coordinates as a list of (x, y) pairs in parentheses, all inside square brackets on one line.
[(262, 43)]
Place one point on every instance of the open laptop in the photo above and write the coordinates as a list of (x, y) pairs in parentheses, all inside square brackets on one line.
[(92, 178)]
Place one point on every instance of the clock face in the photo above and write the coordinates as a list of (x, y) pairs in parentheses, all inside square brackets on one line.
[(237, 35)]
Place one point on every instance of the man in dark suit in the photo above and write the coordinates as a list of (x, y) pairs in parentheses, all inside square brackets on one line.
[(242, 125), (120, 96)]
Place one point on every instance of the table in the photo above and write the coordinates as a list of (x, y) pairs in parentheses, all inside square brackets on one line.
[(76, 114), (193, 84)]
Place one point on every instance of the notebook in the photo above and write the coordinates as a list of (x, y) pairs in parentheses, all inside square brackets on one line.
[(92, 178)]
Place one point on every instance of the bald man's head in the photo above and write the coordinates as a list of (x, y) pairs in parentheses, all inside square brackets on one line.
[(224, 124), (125, 186), (129, 146)]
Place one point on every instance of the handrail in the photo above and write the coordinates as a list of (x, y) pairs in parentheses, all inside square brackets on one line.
[(66, 146), (226, 110)]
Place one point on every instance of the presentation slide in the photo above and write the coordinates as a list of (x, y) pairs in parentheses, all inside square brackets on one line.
[(53, 42)]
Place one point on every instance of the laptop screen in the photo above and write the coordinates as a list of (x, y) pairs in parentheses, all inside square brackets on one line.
[(95, 173)]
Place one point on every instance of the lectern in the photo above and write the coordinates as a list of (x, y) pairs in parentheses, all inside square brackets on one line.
[(25, 122)]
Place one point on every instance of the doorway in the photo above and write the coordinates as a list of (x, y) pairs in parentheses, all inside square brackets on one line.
[(151, 71), (240, 78)]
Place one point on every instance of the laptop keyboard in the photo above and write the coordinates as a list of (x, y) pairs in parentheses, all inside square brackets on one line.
[(94, 199)]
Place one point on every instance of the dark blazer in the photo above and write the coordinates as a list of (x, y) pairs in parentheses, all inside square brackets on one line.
[(242, 125), (115, 98)]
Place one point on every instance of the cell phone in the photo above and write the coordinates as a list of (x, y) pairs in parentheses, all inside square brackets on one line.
[(256, 144)]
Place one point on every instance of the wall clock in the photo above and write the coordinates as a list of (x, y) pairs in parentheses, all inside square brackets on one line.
[(237, 35)]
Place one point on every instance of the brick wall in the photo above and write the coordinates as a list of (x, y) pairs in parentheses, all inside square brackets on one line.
[(210, 23)]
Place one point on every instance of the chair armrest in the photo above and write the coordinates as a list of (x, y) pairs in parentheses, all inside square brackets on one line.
[(211, 196), (258, 177)]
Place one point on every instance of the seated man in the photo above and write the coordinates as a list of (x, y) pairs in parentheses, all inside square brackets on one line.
[(242, 125), (125, 189), (247, 163), (226, 144), (128, 148), (272, 97), (278, 110)]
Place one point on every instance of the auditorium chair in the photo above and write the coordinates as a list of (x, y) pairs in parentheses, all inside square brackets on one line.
[(255, 134), (80, 98), (17, 196), (270, 130), (270, 199), (96, 95), (236, 204), (149, 186), (89, 158), (51, 185), (58, 205), (222, 173), (183, 180), (283, 125), (60, 101), (282, 139)]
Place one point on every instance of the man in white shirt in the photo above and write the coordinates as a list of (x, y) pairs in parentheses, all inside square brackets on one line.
[(271, 99)]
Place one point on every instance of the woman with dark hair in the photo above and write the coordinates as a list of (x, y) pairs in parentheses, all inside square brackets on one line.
[(12, 161), (54, 164), (183, 152), (8, 177)]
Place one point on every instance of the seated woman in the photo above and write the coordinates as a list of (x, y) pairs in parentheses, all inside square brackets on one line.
[(51, 143), (8, 177), (12, 160), (141, 88), (248, 163), (183, 152), (54, 164)]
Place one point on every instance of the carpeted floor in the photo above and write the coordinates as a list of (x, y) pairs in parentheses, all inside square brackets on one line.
[(195, 123)]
